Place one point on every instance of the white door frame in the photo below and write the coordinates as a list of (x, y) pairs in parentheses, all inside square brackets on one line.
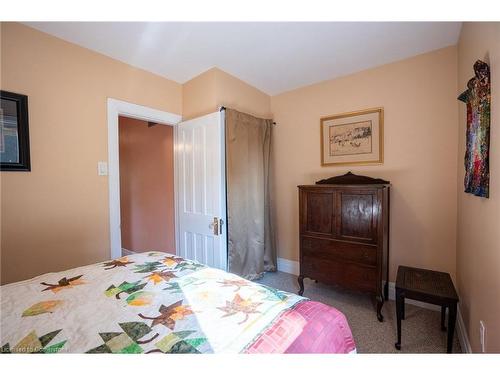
[(118, 108)]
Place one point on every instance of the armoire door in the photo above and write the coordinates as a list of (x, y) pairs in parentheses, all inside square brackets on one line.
[(357, 215), (318, 210), (201, 195)]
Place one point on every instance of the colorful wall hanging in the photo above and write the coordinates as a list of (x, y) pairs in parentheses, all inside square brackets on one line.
[(478, 100)]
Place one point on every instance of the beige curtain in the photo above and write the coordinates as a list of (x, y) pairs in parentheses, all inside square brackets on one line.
[(251, 245)]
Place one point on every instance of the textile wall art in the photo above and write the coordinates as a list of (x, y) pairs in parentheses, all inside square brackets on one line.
[(478, 100)]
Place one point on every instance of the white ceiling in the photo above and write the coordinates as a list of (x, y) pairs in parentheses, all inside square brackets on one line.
[(274, 57)]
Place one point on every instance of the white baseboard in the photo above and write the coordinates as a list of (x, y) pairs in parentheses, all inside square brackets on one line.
[(288, 266), (292, 267), (463, 337)]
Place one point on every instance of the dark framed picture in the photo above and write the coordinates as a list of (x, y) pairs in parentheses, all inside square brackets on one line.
[(14, 133)]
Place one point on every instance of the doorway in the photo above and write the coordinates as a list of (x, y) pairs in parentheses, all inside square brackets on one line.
[(199, 182), (117, 108), (146, 152)]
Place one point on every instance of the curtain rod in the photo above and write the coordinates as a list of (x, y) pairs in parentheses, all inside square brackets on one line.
[(222, 108)]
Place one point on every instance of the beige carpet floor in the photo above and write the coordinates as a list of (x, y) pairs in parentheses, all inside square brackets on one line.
[(421, 332)]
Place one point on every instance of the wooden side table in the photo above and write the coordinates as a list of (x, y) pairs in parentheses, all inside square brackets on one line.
[(426, 286)]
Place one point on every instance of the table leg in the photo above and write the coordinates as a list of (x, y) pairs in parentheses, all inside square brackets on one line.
[(403, 310), (443, 317), (400, 301), (452, 317)]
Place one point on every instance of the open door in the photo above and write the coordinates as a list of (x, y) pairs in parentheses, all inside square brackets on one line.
[(201, 194)]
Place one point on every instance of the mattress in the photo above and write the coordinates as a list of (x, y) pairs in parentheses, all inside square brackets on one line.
[(158, 303)]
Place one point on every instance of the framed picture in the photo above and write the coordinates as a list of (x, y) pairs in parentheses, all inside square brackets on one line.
[(14, 137), (353, 138)]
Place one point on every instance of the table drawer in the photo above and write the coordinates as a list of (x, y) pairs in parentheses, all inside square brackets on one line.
[(339, 250)]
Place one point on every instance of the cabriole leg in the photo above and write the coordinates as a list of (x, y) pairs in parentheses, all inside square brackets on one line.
[(301, 285), (380, 303)]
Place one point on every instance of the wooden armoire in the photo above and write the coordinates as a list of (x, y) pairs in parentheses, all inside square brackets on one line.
[(344, 234)]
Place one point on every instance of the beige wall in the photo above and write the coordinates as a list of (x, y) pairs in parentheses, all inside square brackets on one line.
[(236, 94), (214, 88), (61, 80), (478, 234), (199, 95), (56, 216), (64, 153), (419, 99), (146, 186)]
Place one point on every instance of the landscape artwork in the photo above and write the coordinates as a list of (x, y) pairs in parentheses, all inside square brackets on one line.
[(477, 97), (352, 138)]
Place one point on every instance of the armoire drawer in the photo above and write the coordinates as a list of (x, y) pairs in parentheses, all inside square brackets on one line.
[(338, 250), (349, 275)]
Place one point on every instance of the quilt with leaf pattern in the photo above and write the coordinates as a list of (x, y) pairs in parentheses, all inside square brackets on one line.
[(159, 303)]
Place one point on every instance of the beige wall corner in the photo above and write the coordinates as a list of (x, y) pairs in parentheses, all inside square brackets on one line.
[(419, 99), (199, 95), (214, 88), (56, 216), (236, 94), (478, 234)]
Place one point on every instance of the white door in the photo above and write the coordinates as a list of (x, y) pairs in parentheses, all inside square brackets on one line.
[(201, 196)]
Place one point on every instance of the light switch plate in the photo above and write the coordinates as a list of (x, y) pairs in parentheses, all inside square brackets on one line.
[(102, 168)]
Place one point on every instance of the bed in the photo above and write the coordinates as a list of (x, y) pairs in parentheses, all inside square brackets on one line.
[(158, 303)]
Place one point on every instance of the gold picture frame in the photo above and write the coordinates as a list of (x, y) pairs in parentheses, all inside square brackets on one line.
[(353, 138)]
